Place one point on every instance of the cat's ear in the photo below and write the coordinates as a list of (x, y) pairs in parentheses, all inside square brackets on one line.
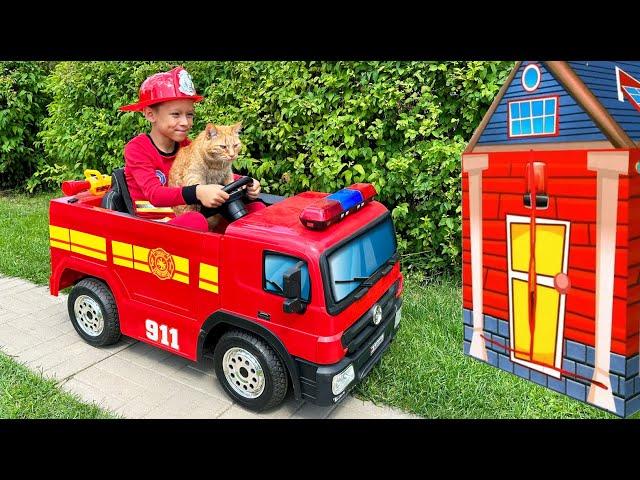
[(236, 128), (212, 132)]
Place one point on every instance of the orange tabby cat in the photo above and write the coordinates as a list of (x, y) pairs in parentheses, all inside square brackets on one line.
[(207, 160)]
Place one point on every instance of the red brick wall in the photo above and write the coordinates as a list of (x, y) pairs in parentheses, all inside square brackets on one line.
[(572, 197), (633, 235)]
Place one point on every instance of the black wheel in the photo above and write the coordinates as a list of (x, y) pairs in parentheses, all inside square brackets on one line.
[(93, 312), (250, 371)]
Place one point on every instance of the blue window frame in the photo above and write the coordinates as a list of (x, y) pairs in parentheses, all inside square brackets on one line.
[(275, 266), (531, 77), (634, 92), (530, 118)]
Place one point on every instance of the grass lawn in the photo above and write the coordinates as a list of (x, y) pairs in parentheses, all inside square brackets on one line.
[(424, 372), (24, 394), (24, 230)]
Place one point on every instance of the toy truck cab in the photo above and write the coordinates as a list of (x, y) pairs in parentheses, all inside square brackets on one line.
[(303, 294)]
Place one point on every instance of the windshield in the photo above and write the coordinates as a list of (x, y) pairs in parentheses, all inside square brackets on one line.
[(354, 262)]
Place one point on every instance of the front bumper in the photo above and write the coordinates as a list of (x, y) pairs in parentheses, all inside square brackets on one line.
[(315, 380)]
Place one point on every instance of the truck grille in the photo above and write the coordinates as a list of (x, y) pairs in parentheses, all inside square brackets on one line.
[(363, 329)]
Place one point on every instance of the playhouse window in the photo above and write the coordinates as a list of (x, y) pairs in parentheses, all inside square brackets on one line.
[(531, 77), (533, 117), (634, 93)]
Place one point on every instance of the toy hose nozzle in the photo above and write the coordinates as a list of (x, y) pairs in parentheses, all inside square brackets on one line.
[(71, 187)]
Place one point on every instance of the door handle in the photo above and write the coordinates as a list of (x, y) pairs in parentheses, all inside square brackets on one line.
[(562, 283)]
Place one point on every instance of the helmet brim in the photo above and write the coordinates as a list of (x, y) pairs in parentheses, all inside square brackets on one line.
[(139, 106)]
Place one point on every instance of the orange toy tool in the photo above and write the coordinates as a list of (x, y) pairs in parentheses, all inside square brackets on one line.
[(95, 182)]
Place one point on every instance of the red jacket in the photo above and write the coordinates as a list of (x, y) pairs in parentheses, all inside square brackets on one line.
[(147, 173)]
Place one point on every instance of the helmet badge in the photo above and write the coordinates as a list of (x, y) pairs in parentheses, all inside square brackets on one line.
[(185, 83)]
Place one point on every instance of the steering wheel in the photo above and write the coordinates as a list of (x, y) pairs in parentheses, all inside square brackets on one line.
[(233, 208)]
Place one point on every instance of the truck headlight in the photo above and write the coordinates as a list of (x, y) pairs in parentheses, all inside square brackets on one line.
[(342, 380)]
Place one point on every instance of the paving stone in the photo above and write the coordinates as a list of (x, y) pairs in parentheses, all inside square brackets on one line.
[(13, 303), (156, 387), (67, 348), (208, 384), (14, 340), (77, 364), (12, 292), (285, 410), (33, 327), (190, 404), (57, 317), (90, 394), (308, 410), (136, 408), (236, 412), (204, 366), (145, 355), (7, 316), (110, 384), (8, 282), (56, 344), (131, 378), (351, 408)]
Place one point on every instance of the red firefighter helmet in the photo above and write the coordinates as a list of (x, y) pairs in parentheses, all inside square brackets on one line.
[(176, 84)]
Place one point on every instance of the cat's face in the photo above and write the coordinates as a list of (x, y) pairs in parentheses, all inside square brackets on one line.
[(223, 141)]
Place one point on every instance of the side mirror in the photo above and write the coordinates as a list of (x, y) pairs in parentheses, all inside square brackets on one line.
[(292, 280)]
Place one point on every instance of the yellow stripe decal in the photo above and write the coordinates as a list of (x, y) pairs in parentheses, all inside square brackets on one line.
[(182, 264), (145, 206), (208, 286), (62, 245), (59, 233), (88, 240), (181, 278), (154, 209), (141, 254), (120, 249), (88, 253), (122, 262), (141, 266), (209, 272)]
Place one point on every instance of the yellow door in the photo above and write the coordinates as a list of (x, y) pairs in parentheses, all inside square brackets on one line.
[(545, 352)]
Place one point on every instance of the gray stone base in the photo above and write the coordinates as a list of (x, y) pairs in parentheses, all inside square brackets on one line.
[(577, 358)]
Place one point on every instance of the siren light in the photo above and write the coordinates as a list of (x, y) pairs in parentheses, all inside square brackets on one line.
[(333, 208)]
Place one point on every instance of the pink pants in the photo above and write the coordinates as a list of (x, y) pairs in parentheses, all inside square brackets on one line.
[(197, 221)]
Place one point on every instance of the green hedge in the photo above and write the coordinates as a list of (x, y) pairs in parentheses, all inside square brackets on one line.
[(307, 125), (23, 106)]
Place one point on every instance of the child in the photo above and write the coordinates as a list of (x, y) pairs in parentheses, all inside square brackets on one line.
[(166, 100)]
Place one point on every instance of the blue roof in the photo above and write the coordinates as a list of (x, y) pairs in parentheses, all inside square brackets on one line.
[(600, 77), (573, 122)]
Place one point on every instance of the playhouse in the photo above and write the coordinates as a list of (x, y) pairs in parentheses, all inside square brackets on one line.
[(551, 231)]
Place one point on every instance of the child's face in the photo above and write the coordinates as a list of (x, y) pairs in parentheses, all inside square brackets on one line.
[(172, 119)]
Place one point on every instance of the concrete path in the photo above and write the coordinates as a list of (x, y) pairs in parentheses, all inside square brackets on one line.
[(131, 379)]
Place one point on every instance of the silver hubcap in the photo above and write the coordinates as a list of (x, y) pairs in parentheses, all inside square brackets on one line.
[(88, 315), (243, 372)]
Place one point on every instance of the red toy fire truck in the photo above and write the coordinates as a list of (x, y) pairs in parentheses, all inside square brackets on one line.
[(303, 294)]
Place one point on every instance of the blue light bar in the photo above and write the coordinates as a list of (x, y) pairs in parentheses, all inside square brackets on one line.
[(347, 198)]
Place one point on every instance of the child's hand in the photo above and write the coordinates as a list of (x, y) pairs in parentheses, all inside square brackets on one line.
[(211, 196), (253, 190)]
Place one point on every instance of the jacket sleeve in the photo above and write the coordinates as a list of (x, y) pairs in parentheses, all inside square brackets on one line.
[(143, 172)]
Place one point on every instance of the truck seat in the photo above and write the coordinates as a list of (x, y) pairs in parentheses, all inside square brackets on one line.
[(118, 197)]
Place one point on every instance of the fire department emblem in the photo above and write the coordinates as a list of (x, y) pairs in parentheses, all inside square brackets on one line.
[(161, 264), (185, 83)]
